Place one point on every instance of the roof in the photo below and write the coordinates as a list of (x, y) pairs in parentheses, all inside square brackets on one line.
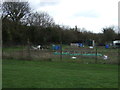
[(116, 41)]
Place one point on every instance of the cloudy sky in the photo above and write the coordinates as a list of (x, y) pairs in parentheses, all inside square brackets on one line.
[(92, 15)]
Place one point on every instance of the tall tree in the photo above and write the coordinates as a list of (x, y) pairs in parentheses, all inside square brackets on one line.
[(15, 11), (12, 18)]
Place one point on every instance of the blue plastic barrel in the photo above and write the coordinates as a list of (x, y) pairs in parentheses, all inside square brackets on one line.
[(56, 47), (107, 46), (80, 45)]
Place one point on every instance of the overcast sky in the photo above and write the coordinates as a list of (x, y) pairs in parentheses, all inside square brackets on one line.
[(93, 15)]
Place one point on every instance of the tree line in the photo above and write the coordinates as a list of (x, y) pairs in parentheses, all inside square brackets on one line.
[(20, 25)]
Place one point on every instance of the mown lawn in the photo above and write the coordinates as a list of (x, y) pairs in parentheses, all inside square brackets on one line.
[(41, 74)]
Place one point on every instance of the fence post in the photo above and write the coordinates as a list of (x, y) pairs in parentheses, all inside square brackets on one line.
[(60, 43), (61, 50), (29, 55), (96, 54)]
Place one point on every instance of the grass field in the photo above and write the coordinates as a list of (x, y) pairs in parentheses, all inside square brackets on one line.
[(41, 74)]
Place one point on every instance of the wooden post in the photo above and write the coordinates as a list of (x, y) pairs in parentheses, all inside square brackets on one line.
[(60, 42), (93, 43), (61, 45), (96, 55), (61, 50), (29, 55)]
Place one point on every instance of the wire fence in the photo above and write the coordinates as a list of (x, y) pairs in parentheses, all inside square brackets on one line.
[(68, 54)]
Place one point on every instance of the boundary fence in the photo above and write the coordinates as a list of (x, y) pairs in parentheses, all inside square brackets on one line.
[(88, 55)]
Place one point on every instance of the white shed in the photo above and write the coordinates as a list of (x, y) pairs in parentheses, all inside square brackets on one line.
[(116, 43)]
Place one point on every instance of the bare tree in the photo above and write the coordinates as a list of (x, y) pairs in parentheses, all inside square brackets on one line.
[(15, 11), (40, 19)]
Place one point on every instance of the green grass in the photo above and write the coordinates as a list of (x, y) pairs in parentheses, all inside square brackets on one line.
[(13, 48), (39, 74)]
